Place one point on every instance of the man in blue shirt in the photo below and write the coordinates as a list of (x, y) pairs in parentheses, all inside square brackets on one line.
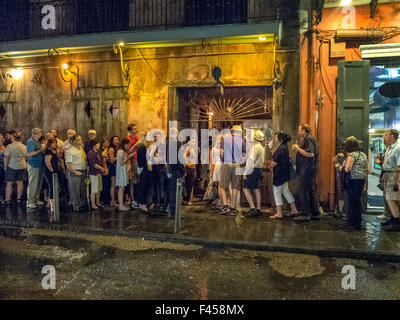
[(35, 150), (391, 178)]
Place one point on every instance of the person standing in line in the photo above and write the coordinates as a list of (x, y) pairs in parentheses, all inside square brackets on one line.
[(91, 142), (52, 167), (9, 137), (281, 175), (105, 194), (60, 143), (2, 172), (391, 178), (96, 169), (253, 174), (234, 153), (159, 173), (68, 143), (133, 138), (216, 155), (35, 150), (190, 171), (112, 165), (306, 167), (121, 172), (145, 169), (77, 167), (356, 165), (15, 167), (176, 169)]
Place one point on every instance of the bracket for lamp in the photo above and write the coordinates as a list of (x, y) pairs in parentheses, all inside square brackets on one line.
[(124, 66), (67, 70)]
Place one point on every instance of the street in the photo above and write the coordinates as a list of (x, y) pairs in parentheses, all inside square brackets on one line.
[(102, 267)]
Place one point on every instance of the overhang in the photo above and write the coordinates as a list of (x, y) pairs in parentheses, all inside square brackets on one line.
[(221, 34)]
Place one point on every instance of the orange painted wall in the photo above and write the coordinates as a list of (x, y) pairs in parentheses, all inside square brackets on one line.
[(319, 72)]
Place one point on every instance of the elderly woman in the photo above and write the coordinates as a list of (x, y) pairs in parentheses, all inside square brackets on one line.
[(356, 167)]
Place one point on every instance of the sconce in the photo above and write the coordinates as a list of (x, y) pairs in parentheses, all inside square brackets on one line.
[(67, 70), (124, 66), (11, 76)]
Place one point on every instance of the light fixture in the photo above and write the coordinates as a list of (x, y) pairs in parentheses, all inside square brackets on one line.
[(65, 66), (124, 66), (345, 3), (262, 38), (372, 130), (16, 73)]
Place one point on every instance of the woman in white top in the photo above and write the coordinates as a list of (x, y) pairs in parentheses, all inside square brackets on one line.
[(122, 173), (216, 155)]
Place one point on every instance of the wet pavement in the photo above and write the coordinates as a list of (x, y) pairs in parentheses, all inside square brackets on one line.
[(106, 268), (202, 225)]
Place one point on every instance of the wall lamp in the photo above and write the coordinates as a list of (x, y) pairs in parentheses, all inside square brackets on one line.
[(11, 76), (124, 66), (67, 70)]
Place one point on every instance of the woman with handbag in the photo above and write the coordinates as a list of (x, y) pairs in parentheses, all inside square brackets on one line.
[(281, 165), (353, 177)]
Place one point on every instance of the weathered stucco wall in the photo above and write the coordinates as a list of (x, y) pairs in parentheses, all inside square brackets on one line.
[(43, 99)]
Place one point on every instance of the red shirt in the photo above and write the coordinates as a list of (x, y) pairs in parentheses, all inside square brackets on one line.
[(133, 141)]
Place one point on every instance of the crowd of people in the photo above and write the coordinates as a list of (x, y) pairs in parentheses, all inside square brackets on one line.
[(117, 173)]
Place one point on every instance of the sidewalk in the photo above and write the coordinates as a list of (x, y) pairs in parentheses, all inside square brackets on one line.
[(204, 226)]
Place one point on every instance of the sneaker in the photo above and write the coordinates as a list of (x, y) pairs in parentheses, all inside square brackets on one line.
[(225, 210), (302, 219), (124, 209), (382, 217), (233, 212), (31, 206), (392, 227), (249, 213), (259, 213), (135, 205), (39, 203), (388, 222)]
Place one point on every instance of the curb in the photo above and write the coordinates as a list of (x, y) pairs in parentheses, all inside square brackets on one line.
[(219, 244)]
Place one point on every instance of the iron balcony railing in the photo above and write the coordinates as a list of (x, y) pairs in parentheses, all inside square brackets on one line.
[(22, 19)]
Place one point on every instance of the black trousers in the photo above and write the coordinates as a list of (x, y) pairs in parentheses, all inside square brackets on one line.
[(353, 194), (308, 196), (144, 186), (190, 178), (159, 192)]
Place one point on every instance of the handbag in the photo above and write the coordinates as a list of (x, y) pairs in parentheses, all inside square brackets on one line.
[(211, 192)]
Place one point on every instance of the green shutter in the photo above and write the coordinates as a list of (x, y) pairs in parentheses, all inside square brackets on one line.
[(353, 102)]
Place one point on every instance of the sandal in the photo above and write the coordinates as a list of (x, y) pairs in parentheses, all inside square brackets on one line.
[(276, 217)]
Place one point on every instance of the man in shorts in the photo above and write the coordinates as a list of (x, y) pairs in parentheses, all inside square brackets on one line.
[(15, 167), (134, 141), (234, 152)]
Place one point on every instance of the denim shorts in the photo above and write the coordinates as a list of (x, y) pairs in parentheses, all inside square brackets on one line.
[(16, 175)]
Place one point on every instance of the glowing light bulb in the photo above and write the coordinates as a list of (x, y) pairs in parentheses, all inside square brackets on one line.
[(65, 66), (346, 3), (262, 38), (121, 44), (17, 73)]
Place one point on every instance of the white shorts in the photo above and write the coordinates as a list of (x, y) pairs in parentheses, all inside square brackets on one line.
[(96, 183)]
